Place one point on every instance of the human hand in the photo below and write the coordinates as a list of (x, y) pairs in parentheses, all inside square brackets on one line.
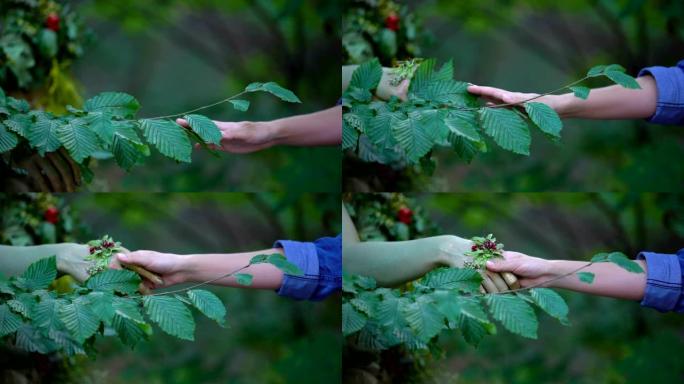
[(170, 267), (531, 270), (243, 136), (495, 96), (71, 259)]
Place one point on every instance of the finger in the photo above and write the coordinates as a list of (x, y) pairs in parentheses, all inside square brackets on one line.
[(488, 284), (143, 289), (486, 91), (511, 280), (50, 173), (500, 265), (183, 123), (498, 281), (63, 169)]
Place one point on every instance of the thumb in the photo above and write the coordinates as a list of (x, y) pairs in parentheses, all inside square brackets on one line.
[(138, 258)]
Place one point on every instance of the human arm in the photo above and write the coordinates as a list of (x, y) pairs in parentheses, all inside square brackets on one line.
[(385, 89), (320, 128), (70, 258)]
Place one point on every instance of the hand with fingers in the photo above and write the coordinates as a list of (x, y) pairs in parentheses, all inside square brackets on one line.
[(531, 271), (497, 96), (160, 269), (242, 136)]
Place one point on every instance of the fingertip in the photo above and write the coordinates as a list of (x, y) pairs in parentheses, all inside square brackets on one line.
[(122, 257), (182, 122)]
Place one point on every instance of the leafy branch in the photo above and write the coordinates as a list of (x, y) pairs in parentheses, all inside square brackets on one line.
[(36, 318), (439, 111)]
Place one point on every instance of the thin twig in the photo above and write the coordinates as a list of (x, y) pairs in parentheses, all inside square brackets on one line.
[(195, 285), (542, 283), (196, 109)]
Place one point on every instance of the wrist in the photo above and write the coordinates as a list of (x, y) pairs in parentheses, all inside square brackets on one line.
[(185, 268), (565, 105), (275, 132)]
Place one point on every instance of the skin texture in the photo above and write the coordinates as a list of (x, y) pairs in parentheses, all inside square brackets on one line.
[(392, 263), (70, 258), (609, 103), (196, 268), (610, 280), (322, 128), (385, 89)]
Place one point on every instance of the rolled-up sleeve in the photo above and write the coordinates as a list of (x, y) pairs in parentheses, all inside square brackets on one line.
[(321, 262), (663, 281), (670, 84)]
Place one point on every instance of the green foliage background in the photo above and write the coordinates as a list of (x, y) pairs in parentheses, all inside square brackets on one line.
[(609, 341), (534, 46), (177, 55), (267, 338)]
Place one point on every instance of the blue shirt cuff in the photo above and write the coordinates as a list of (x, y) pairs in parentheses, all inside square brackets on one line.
[(304, 256), (663, 281), (670, 85)]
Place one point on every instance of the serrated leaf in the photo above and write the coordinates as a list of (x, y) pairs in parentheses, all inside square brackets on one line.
[(389, 309), (545, 118), (596, 71), (102, 304), (46, 313), (78, 139), (423, 318), (79, 319), (29, 339), (8, 140), (117, 103), (39, 274), (114, 280), (280, 262), (514, 314), (169, 138), (366, 302), (350, 135), (68, 345), (172, 316), (210, 305), (42, 135), (412, 136), (352, 320), (240, 105), (463, 124), (466, 280), (126, 153), (586, 277), (23, 304), (244, 279), (130, 332), (19, 124), (9, 321), (507, 129), (274, 89), (622, 79), (101, 124), (625, 263), (580, 91), (128, 308), (205, 128), (379, 129), (600, 257), (551, 302), (367, 75)]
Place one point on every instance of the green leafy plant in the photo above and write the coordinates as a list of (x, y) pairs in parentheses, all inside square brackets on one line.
[(107, 124), (35, 318), (449, 299), (484, 249), (439, 112)]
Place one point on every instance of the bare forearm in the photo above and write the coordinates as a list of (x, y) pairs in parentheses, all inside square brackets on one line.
[(14, 260), (199, 268), (313, 129), (614, 102), (609, 279)]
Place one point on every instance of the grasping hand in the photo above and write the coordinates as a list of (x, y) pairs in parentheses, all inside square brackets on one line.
[(242, 136), (530, 270), (168, 266), (495, 96)]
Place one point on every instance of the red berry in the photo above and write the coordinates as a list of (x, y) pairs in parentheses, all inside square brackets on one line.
[(92, 250), (473, 248), (392, 21), (52, 22), (405, 215), (52, 215)]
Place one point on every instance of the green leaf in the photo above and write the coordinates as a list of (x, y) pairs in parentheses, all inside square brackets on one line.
[(514, 314), (240, 105), (424, 318), (551, 302), (47, 42), (586, 277), (118, 104), (474, 331), (42, 135), (210, 305), (389, 311), (379, 129), (600, 257), (102, 304), (128, 308), (126, 153), (19, 124), (367, 75), (8, 140), (274, 89), (114, 280), (281, 263), (467, 280), (9, 322), (596, 71), (130, 332), (169, 138), (622, 79), (78, 139), (463, 124), (625, 263), (39, 274), (580, 91), (352, 320), (545, 118), (366, 302), (30, 340), (23, 304), (244, 279), (79, 319), (172, 316), (352, 126), (507, 129), (261, 258), (412, 136), (205, 128), (101, 123), (46, 313)]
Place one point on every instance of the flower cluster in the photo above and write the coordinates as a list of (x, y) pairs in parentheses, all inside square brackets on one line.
[(483, 250), (101, 252)]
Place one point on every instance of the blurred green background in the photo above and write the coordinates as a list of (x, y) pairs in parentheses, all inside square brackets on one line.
[(609, 341), (539, 45), (268, 339), (176, 55)]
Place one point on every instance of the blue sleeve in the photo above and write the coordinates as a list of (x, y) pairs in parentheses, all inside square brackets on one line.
[(321, 262), (663, 281), (670, 84)]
